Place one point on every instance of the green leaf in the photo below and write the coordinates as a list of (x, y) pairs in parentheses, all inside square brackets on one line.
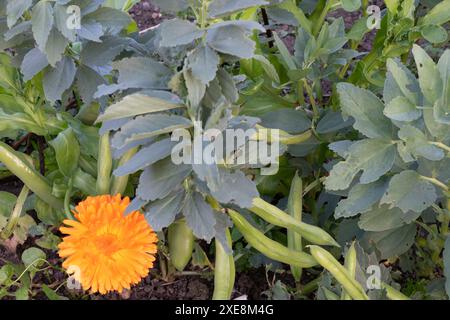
[(289, 120), (55, 47), (149, 126), (203, 62), (160, 179), (440, 14), (196, 89), (15, 9), (33, 63), (67, 150), (231, 39), (446, 259), (6, 273), (22, 293), (59, 79), (199, 216), (146, 156), (442, 105), (401, 82), (332, 122), (47, 214), (401, 109), (434, 33), (367, 110), (360, 199), (33, 256), (417, 144), (61, 18), (51, 294), (383, 218), (18, 121), (42, 22), (178, 32), (394, 242), (172, 6), (161, 213), (374, 157), (134, 105), (219, 8), (429, 77), (284, 52), (7, 203), (235, 188), (409, 192), (351, 5)]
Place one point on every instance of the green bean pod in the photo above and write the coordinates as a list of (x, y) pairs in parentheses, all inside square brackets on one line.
[(119, 184), (295, 204), (181, 244), (16, 163), (224, 271), (392, 293), (277, 217), (104, 165), (350, 285), (350, 265), (268, 247)]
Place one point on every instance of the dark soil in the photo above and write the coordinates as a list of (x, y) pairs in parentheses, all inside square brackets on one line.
[(146, 15)]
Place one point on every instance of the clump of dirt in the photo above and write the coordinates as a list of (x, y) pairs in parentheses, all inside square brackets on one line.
[(146, 15)]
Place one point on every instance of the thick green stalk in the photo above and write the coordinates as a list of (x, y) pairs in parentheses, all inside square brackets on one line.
[(119, 184), (16, 163), (104, 165)]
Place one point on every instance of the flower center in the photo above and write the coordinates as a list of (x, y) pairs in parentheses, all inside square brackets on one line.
[(106, 244)]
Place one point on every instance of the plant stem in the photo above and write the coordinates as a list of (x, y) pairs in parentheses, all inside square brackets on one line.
[(67, 211), (441, 145), (15, 215), (436, 182)]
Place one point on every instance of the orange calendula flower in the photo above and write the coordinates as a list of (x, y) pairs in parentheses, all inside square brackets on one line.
[(106, 250)]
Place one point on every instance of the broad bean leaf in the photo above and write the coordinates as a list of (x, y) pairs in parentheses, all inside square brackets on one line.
[(409, 192), (146, 156), (200, 216), (59, 79), (160, 179), (417, 144), (161, 213), (134, 105), (149, 126), (366, 109), (219, 8), (178, 32), (361, 198), (374, 157), (446, 259), (42, 22), (203, 62)]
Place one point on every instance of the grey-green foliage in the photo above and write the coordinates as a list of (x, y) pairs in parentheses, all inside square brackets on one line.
[(181, 83), (401, 166), (47, 39), (320, 57)]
